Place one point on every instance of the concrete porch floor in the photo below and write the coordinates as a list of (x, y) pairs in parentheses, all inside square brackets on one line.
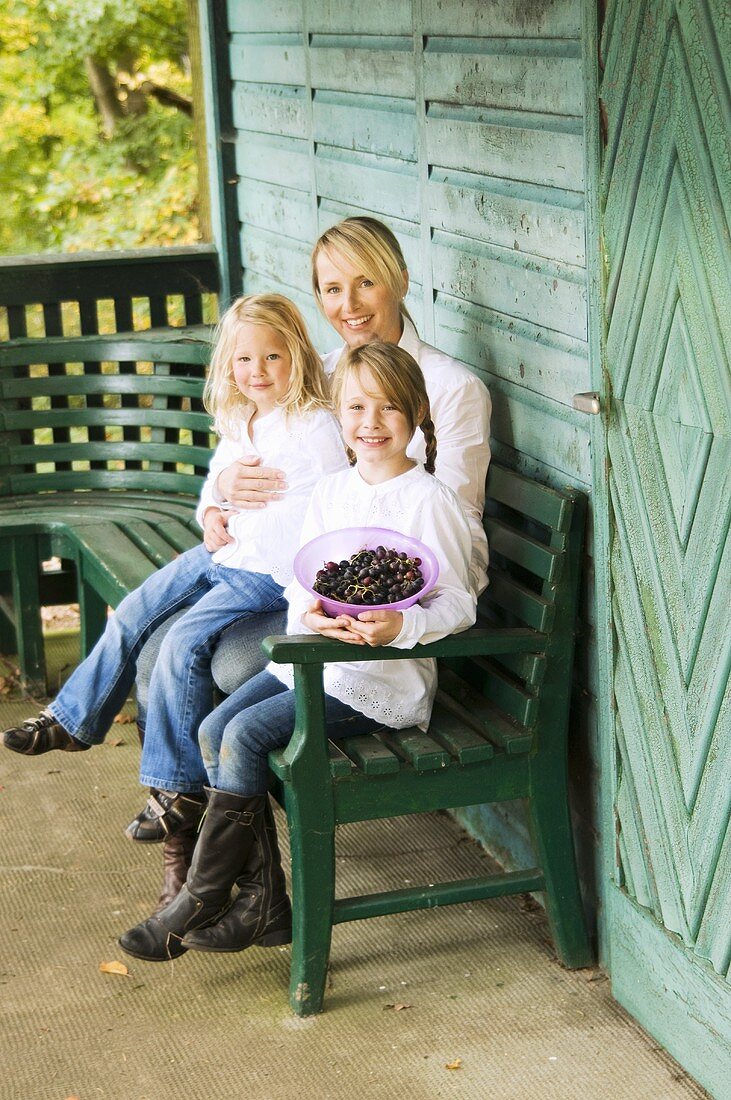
[(463, 1002)]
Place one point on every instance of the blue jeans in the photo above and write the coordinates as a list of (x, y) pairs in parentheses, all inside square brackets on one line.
[(237, 736), (181, 691)]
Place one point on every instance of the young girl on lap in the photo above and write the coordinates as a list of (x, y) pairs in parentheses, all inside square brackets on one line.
[(381, 399), (267, 393)]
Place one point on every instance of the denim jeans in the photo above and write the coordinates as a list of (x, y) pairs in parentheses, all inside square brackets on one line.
[(237, 736), (181, 692)]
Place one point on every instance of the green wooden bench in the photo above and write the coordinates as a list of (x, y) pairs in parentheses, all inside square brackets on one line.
[(498, 732), (108, 483), (104, 441)]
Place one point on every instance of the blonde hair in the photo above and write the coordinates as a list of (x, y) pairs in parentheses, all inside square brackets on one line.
[(307, 384), (370, 246), (399, 377)]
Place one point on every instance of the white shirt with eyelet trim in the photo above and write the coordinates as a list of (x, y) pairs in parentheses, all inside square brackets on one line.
[(396, 693), (460, 408), (304, 446)]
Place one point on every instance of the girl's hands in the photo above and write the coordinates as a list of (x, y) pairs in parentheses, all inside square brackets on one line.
[(377, 627), (371, 628), (247, 484), (316, 619), (215, 534)]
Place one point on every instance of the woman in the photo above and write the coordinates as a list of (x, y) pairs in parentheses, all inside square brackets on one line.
[(360, 280)]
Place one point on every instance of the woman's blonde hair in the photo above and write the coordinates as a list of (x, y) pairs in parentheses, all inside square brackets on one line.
[(399, 378), (370, 246), (307, 384)]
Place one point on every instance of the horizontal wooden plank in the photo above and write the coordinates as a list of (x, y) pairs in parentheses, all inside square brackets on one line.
[(270, 253), (374, 18), (275, 108), (540, 291), (272, 158), (464, 699), (67, 385), (61, 480), (94, 276), (81, 418), (115, 451), (370, 755), (509, 18), (522, 550), (523, 74), (268, 58), (455, 731), (372, 123), (536, 148), (417, 748), (519, 602), (540, 221), (386, 186), (535, 359), (340, 764), (251, 16), (282, 209), (541, 429), (154, 345), (350, 63), (303, 649), (530, 498)]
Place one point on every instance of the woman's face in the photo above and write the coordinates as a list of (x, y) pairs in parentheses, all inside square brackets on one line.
[(359, 309)]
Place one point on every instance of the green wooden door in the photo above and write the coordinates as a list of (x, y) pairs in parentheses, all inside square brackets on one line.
[(666, 182)]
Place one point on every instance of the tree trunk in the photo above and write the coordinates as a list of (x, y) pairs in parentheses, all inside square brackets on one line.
[(105, 94)]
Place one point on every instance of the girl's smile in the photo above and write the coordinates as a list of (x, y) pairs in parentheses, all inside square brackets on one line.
[(357, 307), (262, 366), (374, 429)]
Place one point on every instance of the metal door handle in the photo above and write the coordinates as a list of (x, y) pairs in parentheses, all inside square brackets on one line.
[(587, 403)]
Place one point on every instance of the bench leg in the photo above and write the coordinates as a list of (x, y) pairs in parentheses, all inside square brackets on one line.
[(92, 616), (28, 623), (312, 846), (553, 838)]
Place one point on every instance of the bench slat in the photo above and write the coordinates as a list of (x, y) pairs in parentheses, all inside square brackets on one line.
[(97, 384), (517, 547), (506, 693), (540, 502), (370, 754), (479, 712), (108, 451), (77, 418), (17, 484), (455, 731), (417, 748), (509, 595)]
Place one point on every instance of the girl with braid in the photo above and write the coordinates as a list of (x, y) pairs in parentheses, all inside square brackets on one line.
[(380, 397)]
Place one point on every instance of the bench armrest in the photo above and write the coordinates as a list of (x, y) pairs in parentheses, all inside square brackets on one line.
[(311, 649)]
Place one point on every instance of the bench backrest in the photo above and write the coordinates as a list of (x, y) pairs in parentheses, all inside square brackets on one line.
[(535, 535)]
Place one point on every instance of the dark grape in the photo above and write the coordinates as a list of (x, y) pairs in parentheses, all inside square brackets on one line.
[(380, 576)]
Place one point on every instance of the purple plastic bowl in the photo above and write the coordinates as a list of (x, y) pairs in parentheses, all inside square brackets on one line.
[(337, 545)]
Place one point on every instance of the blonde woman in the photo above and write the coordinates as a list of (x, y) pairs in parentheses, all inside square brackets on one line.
[(267, 394)]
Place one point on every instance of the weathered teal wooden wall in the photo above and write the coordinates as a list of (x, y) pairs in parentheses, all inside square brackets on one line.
[(459, 123)]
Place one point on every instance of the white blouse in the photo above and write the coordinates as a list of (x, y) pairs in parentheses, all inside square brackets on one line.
[(396, 693), (304, 447), (460, 409)]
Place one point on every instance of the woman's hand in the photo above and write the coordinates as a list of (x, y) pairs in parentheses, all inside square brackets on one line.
[(377, 627), (247, 484), (215, 533), (316, 619)]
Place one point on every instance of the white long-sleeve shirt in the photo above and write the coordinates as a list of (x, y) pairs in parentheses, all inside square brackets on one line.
[(304, 447), (460, 408), (396, 693)]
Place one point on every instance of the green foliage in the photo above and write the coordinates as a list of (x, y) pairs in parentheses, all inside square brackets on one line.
[(68, 184)]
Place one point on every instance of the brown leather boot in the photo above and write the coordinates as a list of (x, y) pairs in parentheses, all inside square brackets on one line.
[(261, 913)]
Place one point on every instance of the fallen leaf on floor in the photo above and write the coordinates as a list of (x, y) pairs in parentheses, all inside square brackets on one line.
[(123, 718), (456, 1064), (115, 741), (399, 1007), (113, 968), (596, 976)]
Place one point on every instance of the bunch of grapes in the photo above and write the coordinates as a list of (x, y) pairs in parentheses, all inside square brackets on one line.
[(370, 577)]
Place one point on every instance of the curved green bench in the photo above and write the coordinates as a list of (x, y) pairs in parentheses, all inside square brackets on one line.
[(104, 444)]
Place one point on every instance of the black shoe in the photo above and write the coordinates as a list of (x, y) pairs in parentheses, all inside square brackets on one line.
[(42, 734), (166, 814)]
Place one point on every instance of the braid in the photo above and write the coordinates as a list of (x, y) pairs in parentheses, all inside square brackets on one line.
[(427, 427)]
